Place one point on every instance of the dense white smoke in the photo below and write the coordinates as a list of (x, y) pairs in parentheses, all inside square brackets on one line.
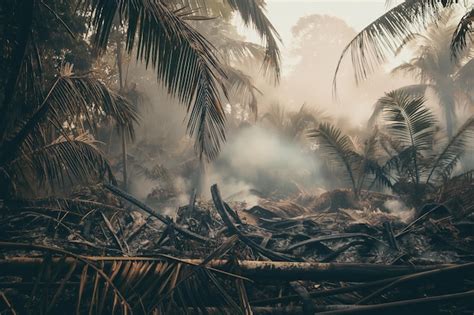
[(258, 158)]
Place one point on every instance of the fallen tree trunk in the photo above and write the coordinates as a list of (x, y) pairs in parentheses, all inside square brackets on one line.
[(405, 305), (256, 270)]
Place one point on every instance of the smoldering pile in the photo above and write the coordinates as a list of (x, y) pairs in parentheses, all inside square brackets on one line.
[(311, 253)]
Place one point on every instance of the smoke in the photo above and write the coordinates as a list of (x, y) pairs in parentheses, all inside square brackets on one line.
[(399, 209), (258, 158)]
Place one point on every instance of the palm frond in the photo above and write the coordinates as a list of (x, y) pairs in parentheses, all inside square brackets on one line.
[(73, 98), (253, 13), (184, 60), (445, 162), (59, 164), (85, 96), (371, 47), (410, 123), (366, 163), (462, 34), (299, 122), (144, 285), (242, 87), (415, 90), (408, 120), (240, 51), (338, 146), (464, 77), (276, 116)]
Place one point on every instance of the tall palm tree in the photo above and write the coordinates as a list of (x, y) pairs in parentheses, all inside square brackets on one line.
[(434, 67)]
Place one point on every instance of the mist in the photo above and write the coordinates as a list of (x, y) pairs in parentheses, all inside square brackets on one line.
[(268, 156)]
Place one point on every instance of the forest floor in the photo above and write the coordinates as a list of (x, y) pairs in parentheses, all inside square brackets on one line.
[(307, 254)]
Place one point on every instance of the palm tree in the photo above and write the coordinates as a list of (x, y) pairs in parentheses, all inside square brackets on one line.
[(50, 150), (434, 67), (417, 156), (158, 34), (406, 152), (382, 38)]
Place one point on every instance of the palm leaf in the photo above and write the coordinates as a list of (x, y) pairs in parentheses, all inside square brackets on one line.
[(252, 13), (184, 60), (58, 164), (409, 122), (451, 153), (241, 86), (462, 33), (240, 51), (338, 146), (371, 47), (416, 90), (367, 163), (69, 98)]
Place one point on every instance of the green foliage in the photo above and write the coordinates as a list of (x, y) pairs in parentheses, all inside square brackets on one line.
[(444, 163), (357, 161), (34, 155), (418, 155), (410, 123)]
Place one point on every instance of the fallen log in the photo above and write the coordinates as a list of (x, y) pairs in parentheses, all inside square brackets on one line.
[(388, 282), (404, 305), (255, 270), (293, 310)]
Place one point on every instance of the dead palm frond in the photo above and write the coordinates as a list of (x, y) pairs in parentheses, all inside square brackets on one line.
[(129, 285)]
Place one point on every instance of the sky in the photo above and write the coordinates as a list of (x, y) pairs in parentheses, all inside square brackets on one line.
[(285, 13)]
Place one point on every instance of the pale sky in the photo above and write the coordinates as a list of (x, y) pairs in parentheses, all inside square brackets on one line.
[(285, 13)]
